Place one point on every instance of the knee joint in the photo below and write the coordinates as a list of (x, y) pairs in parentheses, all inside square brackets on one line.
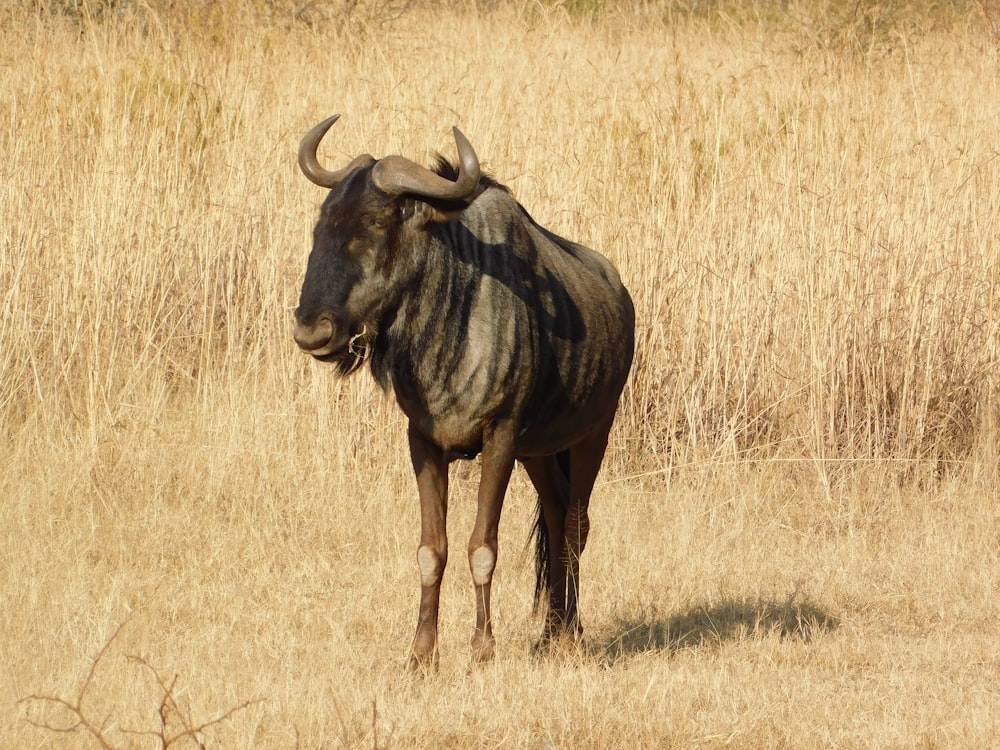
[(431, 566), (482, 560)]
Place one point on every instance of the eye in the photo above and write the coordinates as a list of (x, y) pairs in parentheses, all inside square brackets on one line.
[(384, 220)]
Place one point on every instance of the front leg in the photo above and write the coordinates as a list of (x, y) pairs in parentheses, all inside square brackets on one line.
[(497, 464), (431, 470)]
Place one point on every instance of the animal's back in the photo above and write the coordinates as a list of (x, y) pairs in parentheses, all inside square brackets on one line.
[(569, 301)]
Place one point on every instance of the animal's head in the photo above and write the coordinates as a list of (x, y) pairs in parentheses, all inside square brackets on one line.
[(374, 208)]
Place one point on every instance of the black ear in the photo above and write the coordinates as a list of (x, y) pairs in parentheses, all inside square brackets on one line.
[(407, 209), (420, 213)]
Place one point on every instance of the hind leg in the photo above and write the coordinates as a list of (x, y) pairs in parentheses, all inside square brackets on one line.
[(584, 464), (550, 477), (564, 491)]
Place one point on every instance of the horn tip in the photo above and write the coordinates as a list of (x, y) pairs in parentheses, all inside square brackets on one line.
[(328, 122)]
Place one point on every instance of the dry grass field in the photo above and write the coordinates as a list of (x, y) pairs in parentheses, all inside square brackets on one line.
[(208, 540)]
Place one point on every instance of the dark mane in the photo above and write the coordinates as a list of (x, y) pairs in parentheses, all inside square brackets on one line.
[(449, 171)]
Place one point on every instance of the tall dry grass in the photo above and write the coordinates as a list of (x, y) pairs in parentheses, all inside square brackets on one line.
[(796, 532)]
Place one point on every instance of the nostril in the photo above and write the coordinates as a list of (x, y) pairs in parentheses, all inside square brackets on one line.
[(311, 337)]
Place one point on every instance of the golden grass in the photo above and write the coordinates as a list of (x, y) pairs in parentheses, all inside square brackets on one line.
[(796, 536)]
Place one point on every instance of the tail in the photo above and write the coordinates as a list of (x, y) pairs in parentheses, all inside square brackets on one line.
[(542, 536)]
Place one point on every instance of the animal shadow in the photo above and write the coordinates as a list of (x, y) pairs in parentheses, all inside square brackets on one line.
[(713, 625)]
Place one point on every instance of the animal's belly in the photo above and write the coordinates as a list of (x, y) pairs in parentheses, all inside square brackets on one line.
[(544, 437)]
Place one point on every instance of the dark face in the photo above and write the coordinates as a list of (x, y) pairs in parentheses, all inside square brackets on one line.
[(345, 285)]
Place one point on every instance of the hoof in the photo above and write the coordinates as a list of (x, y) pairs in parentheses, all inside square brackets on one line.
[(422, 664), (559, 637), (483, 652)]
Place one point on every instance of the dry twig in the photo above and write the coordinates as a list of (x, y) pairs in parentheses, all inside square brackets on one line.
[(176, 721)]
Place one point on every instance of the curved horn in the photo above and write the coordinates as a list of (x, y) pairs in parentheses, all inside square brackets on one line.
[(397, 175), (308, 162)]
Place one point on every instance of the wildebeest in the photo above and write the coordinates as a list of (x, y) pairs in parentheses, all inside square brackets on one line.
[(496, 336)]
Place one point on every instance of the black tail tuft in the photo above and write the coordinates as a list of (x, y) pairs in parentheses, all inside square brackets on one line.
[(541, 558), (542, 536)]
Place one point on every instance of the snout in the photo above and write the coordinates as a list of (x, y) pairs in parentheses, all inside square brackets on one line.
[(316, 337)]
